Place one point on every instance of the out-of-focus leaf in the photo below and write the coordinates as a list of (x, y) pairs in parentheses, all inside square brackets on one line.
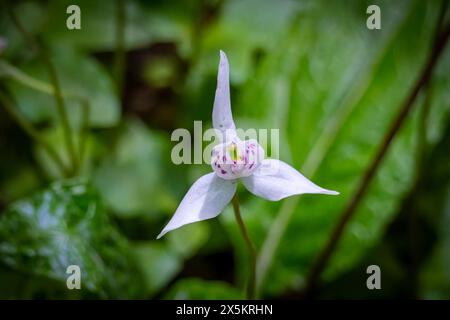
[(247, 26), (159, 72), (30, 11), (17, 174), (365, 127), (130, 178), (435, 280), (20, 184), (413, 252), (15, 284), (187, 240), (244, 30), (55, 138), (66, 225), (157, 263), (80, 77), (145, 23), (193, 289), (98, 24)]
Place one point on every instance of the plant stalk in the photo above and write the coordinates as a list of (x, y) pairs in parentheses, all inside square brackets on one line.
[(61, 108), (251, 248)]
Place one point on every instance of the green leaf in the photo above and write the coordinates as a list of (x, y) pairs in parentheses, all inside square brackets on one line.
[(34, 15), (187, 240), (197, 289), (66, 225), (435, 279), (145, 23), (130, 178), (434, 204), (157, 263), (160, 261), (243, 28)]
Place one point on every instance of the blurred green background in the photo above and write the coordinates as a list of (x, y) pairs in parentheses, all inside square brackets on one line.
[(310, 68)]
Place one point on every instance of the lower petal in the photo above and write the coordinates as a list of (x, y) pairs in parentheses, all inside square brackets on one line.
[(206, 199)]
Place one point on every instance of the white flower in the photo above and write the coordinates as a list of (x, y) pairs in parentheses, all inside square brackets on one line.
[(235, 160)]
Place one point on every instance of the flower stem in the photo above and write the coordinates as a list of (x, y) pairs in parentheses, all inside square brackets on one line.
[(250, 246)]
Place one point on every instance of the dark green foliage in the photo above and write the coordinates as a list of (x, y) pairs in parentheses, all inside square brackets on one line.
[(309, 68)]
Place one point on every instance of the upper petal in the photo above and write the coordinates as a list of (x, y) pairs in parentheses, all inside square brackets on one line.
[(222, 117), (206, 198), (275, 180)]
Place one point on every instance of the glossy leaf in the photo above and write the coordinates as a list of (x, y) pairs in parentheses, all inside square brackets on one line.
[(66, 225)]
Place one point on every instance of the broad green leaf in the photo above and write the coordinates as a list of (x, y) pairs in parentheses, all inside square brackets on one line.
[(66, 225)]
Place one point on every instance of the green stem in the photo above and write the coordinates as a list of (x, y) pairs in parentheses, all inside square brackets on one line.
[(56, 85), (25, 79), (62, 111), (119, 59), (14, 73), (8, 70), (250, 247), (84, 128), (32, 132)]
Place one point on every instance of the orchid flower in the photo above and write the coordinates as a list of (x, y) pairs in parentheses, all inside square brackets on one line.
[(235, 160)]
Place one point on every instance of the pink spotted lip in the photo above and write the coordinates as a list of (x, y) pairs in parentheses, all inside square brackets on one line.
[(236, 159)]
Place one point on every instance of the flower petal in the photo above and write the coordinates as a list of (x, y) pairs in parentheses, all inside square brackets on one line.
[(275, 180), (206, 198), (222, 116)]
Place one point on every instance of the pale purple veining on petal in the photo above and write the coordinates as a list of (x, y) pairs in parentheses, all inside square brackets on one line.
[(236, 159)]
